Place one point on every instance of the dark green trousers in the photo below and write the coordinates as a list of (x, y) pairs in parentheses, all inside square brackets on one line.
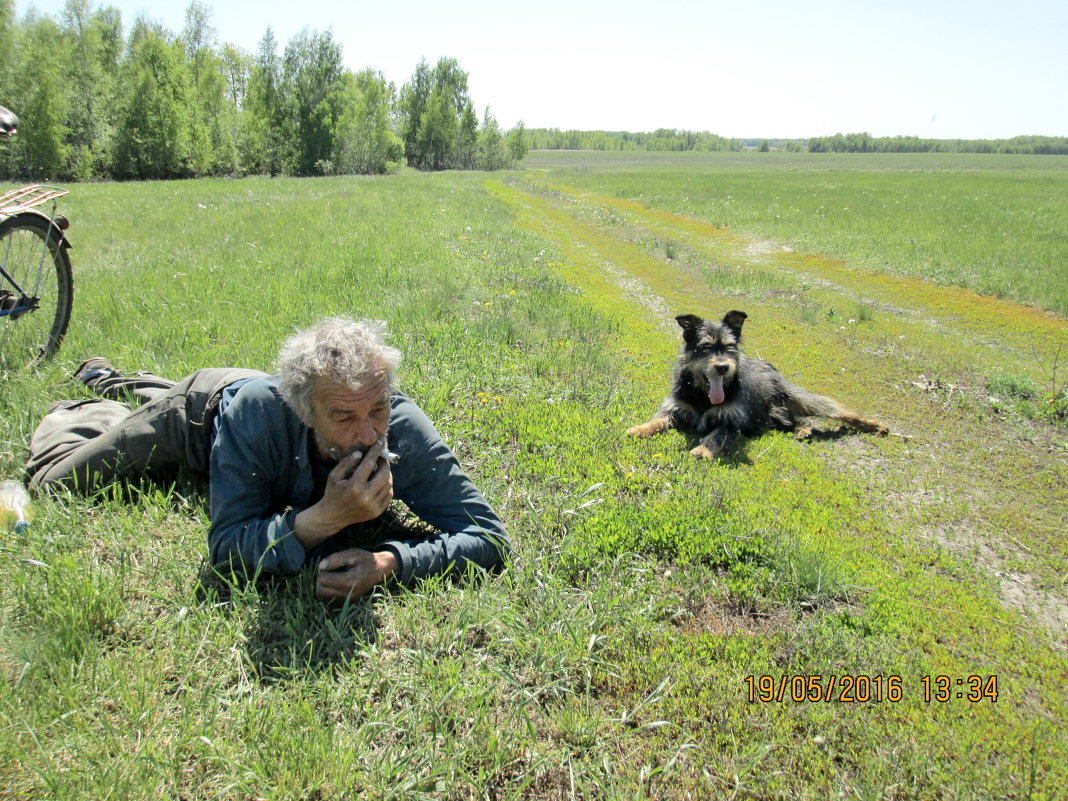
[(85, 444)]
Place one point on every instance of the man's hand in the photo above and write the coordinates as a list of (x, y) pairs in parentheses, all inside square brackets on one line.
[(357, 490), (353, 573)]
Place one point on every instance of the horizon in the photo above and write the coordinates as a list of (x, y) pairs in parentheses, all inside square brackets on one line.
[(947, 70), (773, 139)]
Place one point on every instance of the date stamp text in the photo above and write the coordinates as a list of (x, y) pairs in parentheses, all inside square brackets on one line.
[(863, 689)]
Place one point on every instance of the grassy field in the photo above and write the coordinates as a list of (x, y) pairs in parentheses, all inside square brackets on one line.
[(623, 653), (994, 224)]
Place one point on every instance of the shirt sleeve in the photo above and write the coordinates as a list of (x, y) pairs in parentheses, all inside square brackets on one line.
[(250, 447), (428, 479)]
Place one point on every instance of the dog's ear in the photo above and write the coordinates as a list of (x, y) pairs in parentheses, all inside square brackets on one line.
[(689, 323), (733, 320)]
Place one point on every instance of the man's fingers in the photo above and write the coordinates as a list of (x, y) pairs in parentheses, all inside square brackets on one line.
[(338, 561), (349, 578), (383, 477), (334, 593), (338, 584), (345, 466), (380, 483), (357, 466), (365, 493), (370, 461), (367, 569)]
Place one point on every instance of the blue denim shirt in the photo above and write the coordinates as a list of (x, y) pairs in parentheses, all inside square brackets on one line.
[(262, 476)]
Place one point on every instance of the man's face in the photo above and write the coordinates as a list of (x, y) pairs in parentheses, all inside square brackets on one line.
[(346, 419)]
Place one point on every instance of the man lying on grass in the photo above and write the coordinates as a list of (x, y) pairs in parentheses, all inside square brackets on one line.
[(299, 463)]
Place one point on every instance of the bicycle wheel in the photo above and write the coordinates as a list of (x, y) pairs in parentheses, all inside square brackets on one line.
[(35, 319)]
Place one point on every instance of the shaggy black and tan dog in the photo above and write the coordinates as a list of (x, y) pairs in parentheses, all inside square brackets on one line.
[(717, 393)]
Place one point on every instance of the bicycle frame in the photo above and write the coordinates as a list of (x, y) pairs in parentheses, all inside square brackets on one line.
[(26, 200)]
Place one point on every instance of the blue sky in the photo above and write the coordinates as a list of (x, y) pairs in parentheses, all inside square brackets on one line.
[(941, 68)]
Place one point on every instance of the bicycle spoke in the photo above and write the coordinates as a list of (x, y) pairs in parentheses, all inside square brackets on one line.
[(38, 290)]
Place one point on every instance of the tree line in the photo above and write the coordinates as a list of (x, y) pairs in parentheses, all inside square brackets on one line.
[(667, 139), (97, 101), (678, 140), (866, 143)]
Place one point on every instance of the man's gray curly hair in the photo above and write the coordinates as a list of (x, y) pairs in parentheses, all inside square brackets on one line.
[(343, 350)]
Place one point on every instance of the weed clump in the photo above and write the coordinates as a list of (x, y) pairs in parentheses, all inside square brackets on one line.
[(1020, 395)]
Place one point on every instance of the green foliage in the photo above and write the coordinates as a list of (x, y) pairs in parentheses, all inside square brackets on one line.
[(516, 143), (155, 133), (1022, 395), (491, 150), (92, 105), (433, 105), (467, 139), (235, 65), (365, 142), (667, 139), (1013, 386), (311, 80), (91, 72), (866, 143), (440, 128), (42, 102), (663, 139), (414, 97), (264, 144)]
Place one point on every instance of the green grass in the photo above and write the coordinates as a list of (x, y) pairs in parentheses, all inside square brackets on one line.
[(610, 660), (989, 223)]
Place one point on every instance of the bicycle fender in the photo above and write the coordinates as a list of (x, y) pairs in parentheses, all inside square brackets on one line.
[(43, 221)]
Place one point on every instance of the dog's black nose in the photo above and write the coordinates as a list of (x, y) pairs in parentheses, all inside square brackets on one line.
[(722, 369)]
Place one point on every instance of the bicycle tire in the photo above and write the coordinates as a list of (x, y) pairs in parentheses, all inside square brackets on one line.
[(35, 336)]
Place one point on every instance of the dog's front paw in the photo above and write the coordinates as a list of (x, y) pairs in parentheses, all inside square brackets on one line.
[(702, 452), (654, 426)]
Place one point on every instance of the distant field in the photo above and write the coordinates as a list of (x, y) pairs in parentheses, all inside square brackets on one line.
[(752, 161), (768, 626), (995, 224)]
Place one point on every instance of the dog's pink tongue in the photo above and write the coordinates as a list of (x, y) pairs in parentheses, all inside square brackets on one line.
[(715, 390)]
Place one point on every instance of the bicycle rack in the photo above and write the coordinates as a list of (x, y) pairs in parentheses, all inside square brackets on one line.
[(28, 197)]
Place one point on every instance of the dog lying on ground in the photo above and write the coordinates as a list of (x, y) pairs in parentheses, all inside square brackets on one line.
[(718, 394)]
